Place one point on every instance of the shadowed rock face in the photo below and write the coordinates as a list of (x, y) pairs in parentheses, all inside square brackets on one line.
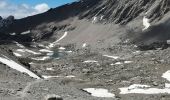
[(123, 11), (5, 24)]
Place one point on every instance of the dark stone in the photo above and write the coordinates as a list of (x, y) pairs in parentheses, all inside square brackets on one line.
[(1, 18), (53, 97)]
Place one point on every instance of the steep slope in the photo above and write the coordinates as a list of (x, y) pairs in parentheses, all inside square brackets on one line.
[(124, 16)]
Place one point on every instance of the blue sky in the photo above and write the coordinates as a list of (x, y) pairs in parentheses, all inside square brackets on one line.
[(23, 8), (51, 3)]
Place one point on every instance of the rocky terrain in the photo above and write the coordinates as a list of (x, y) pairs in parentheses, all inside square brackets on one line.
[(88, 50)]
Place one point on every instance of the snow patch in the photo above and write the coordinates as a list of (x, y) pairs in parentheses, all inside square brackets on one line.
[(41, 58), (69, 51), (54, 43), (17, 54), (134, 86), (61, 48), (128, 62), (31, 63), (114, 57), (94, 20), (47, 77), (166, 75), (118, 63), (29, 51), (12, 33), (19, 45), (84, 45), (99, 92), (17, 67), (20, 50), (136, 52), (168, 41), (46, 50), (146, 23), (41, 45), (101, 18), (167, 85), (90, 61), (49, 69), (143, 89), (26, 32), (50, 54)]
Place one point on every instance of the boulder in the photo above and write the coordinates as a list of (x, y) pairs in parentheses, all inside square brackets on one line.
[(53, 97)]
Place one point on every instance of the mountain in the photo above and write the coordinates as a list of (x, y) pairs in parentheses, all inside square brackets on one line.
[(126, 14), (81, 49)]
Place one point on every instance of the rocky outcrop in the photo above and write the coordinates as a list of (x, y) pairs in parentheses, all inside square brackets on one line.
[(1, 18), (123, 11), (5, 24)]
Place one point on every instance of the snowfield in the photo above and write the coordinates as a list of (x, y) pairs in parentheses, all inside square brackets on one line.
[(145, 89), (99, 92), (17, 67), (146, 23)]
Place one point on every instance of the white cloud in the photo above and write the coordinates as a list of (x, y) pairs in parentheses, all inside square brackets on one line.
[(3, 4), (22, 10), (42, 7)]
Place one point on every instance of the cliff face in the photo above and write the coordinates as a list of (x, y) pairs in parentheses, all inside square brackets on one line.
[(123, 11), (119, 12)]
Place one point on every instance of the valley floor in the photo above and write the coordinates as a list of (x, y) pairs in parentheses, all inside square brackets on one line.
[(120, 72)]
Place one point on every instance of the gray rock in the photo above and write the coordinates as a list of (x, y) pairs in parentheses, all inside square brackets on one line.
[(53, 97)]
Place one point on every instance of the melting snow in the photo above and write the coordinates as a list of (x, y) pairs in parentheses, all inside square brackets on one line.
[(136, 52), (50, 54), (45, 50), (12, 33), (118, 63), (94, 19), (134, 86), (26, 32), (53, 44), (166, 75), (19, 45), (90, 61), (29, 51), (101, 18), (17, 67), (128, 62), (168, 41), (114, 57), (99, 92), (41, 58), (146, 23), (20, 50), (167, 85), (145, 89), (41, 45), (17, 54), (31, 63), (84, 45), (61, 48), (47, 77), (49, 69), (69, 51)]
